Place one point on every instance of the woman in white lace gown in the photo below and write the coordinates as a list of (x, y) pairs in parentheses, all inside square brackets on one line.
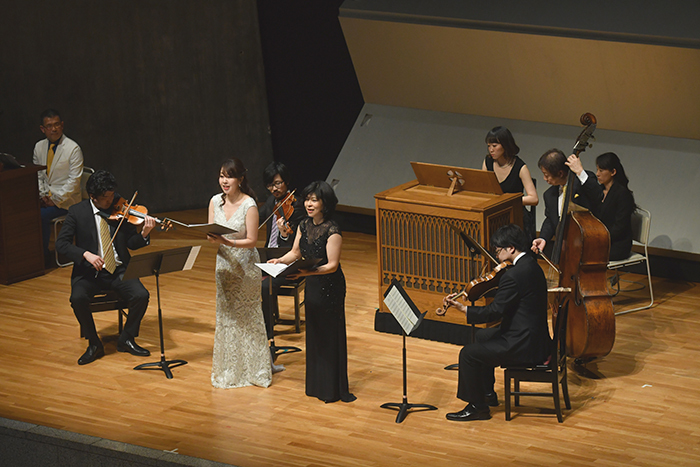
[(241, 356)]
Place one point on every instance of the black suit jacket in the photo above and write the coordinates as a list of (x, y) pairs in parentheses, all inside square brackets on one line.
[(521, 305), (616, 213), (295, 218), (551, 203), (80, 225)]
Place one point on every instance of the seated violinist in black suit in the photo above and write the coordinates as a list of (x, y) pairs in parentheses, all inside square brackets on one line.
[(280, 232), (97, 265), (521, 338), (611, 200), (555, 169)]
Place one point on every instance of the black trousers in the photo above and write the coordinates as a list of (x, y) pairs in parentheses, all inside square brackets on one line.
[(270, 305), (476, 366), (85, 288)]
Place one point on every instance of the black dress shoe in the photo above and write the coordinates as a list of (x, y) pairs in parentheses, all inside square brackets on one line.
[(133, 348), (491, 399), (469, 413), (92, 353)]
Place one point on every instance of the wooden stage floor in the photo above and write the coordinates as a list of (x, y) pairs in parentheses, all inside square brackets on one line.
[(640, 405)]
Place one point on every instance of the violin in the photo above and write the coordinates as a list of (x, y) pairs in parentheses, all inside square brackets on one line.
[(135, 214), (287, 207), (480, 286)]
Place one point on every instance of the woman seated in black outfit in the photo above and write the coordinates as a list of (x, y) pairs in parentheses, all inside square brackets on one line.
[(511, 172), (613, 202)]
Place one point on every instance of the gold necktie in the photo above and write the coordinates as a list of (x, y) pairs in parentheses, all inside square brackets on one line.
[(49, 159), (107, 252), (563, 200)]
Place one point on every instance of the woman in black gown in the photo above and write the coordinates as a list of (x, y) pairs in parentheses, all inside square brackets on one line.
[(326, 344), (612, 200), (511, 172)]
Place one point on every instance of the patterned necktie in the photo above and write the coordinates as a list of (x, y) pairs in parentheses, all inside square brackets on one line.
[(49, 158), (274, 233), (563, 199), (107, 251)]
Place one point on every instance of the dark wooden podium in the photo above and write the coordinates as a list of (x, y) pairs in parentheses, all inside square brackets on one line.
[(417, 246), (21, 248)]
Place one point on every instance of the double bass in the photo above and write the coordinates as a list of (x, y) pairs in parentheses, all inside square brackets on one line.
[(582, 250)]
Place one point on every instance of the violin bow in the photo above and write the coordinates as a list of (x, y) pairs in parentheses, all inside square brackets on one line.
[(277, 206)]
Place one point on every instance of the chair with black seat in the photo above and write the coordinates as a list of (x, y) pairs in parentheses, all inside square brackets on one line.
[(108, 300), (552, 372), (293, 289), (641, 224), (87, 171)]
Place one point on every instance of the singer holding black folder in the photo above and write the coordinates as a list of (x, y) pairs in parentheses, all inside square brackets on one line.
[(318, 236), (99, 265)]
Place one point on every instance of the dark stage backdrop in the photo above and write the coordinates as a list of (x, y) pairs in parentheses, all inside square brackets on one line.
[(313, 92), (157, 92)]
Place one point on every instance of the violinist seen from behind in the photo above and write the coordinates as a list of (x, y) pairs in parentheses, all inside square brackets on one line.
[(100, 265), (281, 228), (521, 338)]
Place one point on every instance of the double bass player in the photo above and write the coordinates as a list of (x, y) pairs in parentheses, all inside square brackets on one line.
[(555, 170)]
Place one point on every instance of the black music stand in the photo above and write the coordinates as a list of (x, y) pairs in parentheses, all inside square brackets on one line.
[(475, 249), (157, 263), (275, 351), (409, 317)]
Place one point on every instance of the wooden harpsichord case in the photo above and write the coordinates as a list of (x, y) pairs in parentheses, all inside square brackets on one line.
[(417, 243)]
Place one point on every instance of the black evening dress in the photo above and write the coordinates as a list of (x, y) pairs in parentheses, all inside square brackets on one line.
[(326, 342), (615, 211), (513, 184)]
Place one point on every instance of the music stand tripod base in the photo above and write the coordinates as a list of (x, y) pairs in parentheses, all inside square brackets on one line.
[(404, 407), (163, 364), (157, 263)]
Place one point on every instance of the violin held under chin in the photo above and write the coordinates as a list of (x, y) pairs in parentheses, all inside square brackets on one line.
[(135, 214), (477, 288), (284, 210)]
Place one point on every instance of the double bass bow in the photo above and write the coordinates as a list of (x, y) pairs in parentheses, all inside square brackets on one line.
[(581, 251)]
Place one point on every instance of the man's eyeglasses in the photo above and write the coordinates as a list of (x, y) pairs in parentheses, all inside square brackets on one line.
[(276, 184)]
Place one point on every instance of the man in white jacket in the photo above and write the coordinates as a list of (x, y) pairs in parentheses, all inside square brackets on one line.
[(59, 184)]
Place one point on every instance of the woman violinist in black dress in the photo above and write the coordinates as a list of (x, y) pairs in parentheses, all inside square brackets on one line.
[(511, 172), (326, 344), (612, 202)]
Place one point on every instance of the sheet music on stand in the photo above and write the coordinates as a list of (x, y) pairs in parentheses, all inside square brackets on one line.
[(402, 307), (409, 317)]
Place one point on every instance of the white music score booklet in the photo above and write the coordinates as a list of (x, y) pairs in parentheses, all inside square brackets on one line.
[(401, 309), (273, 270)]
